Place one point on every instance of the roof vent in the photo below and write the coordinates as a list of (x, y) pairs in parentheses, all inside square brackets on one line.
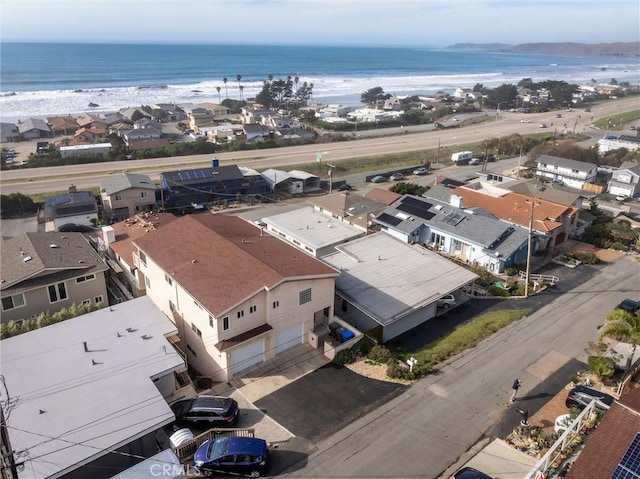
[(53, 245), (146, 336), (131, 330), (26, 258)]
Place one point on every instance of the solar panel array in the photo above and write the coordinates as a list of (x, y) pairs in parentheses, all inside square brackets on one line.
[(416, 208), (388, 219), (629, 466), (453, 218)]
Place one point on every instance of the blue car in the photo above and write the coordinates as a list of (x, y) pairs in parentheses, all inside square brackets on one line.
[(246, 456)]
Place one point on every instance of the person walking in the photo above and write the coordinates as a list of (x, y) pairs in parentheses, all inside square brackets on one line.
[(516, 385)]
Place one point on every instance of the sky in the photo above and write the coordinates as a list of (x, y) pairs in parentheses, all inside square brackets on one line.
[(401, 23)]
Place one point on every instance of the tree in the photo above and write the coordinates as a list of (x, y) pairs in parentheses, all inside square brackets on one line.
[(403, 188), (16, 204), (218, 89), (623, 326), (372, 95), (504, 94), (226, 92), (239, 77)]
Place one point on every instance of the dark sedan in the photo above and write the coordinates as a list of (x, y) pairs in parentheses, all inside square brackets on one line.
[(247, 456)]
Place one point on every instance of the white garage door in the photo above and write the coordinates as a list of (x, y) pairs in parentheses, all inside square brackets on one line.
[(247, 356), (288, 338)]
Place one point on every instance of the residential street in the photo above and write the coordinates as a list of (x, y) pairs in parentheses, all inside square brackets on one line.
[(422, 432)]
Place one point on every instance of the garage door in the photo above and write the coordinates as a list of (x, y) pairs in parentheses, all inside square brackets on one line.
[(288, 338), (247, 356)]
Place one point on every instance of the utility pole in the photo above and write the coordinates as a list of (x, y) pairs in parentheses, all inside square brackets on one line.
[(532, 205), (8, 464)]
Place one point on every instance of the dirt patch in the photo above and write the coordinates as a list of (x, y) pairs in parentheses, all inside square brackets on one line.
[(605, 255), (365, 368)]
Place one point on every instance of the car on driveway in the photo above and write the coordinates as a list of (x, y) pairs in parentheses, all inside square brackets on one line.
[(207, 410), (580, 397), (75, 228), (629, 305), (447, 301), (245, 456), (474, 161), (344, 187), (470, 473), (397, 176), (421, 171), (378, 179)]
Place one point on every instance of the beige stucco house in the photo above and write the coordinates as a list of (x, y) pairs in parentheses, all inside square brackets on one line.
[(126, 194), (238, 296), (49, 271)]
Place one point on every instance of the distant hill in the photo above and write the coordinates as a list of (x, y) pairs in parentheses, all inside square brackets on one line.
[(628, 49)]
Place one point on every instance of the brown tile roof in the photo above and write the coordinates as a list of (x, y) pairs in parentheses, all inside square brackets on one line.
[(383, 196), (221, 260), (59, 123), (133, 228), (608, 443), (513, 207), (355, 207), (241, 338)]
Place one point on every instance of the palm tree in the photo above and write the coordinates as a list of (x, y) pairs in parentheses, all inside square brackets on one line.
[(218, 89), (624, 326), (226, 92), (239, 77), (241, 88)]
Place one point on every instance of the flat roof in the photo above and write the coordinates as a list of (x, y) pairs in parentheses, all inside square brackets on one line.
[(313, 228), (388, 278), (85, 385)]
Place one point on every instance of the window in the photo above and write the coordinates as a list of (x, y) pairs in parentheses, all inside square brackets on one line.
[(241, 314), (98, 299), (168, 279), (143, 258), (305, 296), (143, 194), (276, 304), (437, 239), (211, 321), (147, 281), (88, 277), (117, 197), (57, 292), (86, 302), (196, 330), (252, 309), (11, 302), (225, 323), (172, 306)]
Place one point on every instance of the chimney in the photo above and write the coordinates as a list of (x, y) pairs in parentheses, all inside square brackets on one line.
[(456, 201), (72, 189), (215, 163)]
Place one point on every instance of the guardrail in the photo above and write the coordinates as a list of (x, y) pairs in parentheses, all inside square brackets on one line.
[(549, 278), (188, 449)]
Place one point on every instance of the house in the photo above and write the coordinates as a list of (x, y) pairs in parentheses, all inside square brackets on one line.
[(629, 142), (126, 194), (199, 117), (62, 125), (129, 113), (469, 235), (149, 132), (116, 246), (565, 171), (552, 223), (238, 296), (34, 128), (387, 287), (87, 120), (91, 394), (625, 181), (171, 111), (184, 188), (89, 135), (547, 191), (78, 207), (613, 448), (48, 272), (255, 132), (351, 208), (9, 133), (83, 149), (311, 231)]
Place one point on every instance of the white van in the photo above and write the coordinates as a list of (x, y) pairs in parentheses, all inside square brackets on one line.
[(462, 157)]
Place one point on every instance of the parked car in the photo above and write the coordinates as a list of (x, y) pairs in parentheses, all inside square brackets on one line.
[(580, 397), (542, 125), (446, 301), (470, 473), (344, 187), (525, 120), (397, 176), (621, 198), (378, 179), (74, 228), (214, 410), (247, 456), (629, 305), (474, 161), (421, 171)]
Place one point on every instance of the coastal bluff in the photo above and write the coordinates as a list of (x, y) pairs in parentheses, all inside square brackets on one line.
[(624, 49)]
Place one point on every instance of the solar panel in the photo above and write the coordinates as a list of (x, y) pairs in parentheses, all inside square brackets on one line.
[(629, 467), (415, 207), (453, 218), (388, 219)]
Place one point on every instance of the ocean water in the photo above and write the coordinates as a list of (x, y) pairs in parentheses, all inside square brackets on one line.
[(38, 79)]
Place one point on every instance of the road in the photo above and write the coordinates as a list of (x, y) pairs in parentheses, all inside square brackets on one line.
[(58, 178), (422, 432)]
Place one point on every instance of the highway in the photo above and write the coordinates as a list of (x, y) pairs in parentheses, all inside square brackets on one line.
[(58, 178)]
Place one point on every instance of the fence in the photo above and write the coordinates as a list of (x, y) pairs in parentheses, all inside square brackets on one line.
[(188, 449)]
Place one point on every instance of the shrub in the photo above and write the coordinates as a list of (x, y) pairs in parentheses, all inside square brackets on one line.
[(586, 257), (618, 246), (346, 356), (602, 366), (380, 354), (494, 290)]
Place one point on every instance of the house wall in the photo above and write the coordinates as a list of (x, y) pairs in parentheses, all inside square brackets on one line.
[(80, 219), (408, 322), (202, 330), (134, 199), (166, 384), (569, 177), (37, 301), (623, 182)]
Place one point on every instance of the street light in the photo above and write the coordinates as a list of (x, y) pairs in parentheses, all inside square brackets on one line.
[(498, 108)]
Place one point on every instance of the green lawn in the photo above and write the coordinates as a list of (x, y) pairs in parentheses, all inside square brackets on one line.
[(618, 122)]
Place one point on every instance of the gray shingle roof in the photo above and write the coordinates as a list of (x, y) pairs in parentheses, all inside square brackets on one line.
[(122, 182), (566, 163)]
